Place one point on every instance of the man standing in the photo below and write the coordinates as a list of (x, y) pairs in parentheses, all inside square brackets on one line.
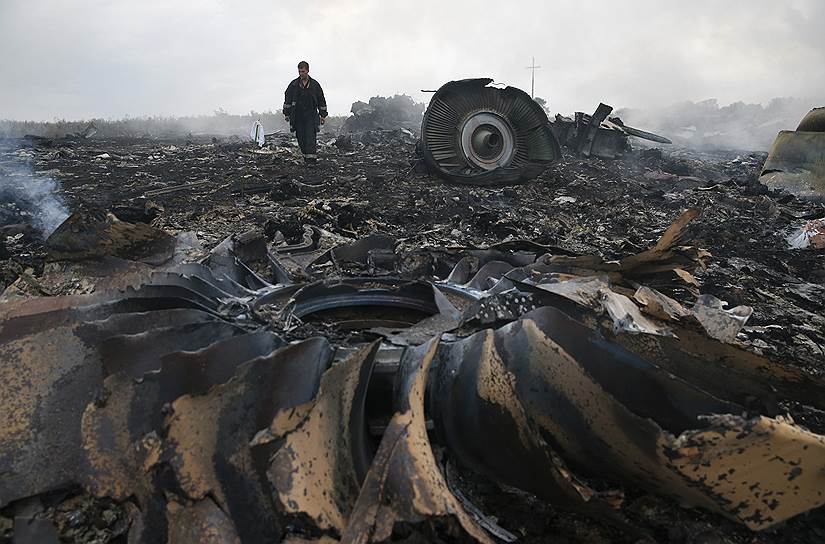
[(306, 108)]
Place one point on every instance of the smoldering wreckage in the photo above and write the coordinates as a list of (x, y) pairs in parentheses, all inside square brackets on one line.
[(219, 345)]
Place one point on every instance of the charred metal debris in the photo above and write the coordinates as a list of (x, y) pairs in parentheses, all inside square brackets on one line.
[(320, 392), (598, 135), (478, 133), (796, 162), (596, 375)]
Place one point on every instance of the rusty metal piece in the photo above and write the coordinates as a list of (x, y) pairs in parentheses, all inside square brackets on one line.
[(209, 436), (610, 413), (52, 369), (50, 373), (759, 471), (325, 456), (46, 380), (243, 438), (404, 485), (117, 459), (479, 134), (121, 435)]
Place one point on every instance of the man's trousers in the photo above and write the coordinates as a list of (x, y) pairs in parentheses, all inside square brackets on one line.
[(306, 129)]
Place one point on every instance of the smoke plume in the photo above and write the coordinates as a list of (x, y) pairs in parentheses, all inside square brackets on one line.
[(31, 198), (707, 125)]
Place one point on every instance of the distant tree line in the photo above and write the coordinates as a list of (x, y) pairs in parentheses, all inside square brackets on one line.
[(220, 123)]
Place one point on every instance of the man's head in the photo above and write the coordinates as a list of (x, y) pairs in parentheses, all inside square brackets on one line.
[(303, 70)]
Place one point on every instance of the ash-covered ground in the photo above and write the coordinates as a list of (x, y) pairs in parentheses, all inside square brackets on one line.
[(587, 206)]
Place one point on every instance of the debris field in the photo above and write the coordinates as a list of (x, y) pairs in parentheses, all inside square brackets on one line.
[(221, 344)]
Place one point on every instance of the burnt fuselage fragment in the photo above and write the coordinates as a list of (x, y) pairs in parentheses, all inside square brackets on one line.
[(796, 161), (478, 134), (598, 135)]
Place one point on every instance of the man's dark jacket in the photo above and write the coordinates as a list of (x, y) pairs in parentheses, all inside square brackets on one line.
[(299, 102)]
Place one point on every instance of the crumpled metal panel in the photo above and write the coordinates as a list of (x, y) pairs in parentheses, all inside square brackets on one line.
[(598, 135), (53, 371), (318, 470), (725, 370), (226, 265), (243, 438), (139, 353), (46, 380), (796, 163), (210, 436), (122, 434), (405, 484), (609, 413), (50, 372)]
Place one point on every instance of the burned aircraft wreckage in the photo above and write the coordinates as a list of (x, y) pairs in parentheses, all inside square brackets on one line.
[(796, 162), (474, 132), (174, 384), (340, 390)]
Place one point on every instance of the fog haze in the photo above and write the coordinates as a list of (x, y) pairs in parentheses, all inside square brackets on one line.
[(110, 59)]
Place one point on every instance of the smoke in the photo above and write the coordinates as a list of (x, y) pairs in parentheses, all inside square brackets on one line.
[(31, 198), (706, 125)]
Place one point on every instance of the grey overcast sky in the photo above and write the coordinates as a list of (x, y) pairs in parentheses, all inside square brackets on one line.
[(77, 59)]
